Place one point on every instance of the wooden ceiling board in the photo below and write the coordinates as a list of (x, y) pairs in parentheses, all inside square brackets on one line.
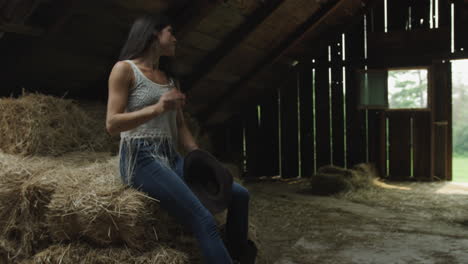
[(221, 21), (245, 7), (339, 15), (145, 5), (200, 41), (268, 35), (223, 76), (249, 62), (240, 60), (342, 12)]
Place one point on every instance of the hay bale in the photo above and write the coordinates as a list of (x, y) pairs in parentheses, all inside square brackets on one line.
[(331, 180), (82, 253), (90, 203), (362, 175), (24, 195), (46, 125)]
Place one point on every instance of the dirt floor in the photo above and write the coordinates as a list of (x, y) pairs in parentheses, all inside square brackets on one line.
[(385, 223)]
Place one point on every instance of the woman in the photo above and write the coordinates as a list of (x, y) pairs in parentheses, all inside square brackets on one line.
[(145, 107)]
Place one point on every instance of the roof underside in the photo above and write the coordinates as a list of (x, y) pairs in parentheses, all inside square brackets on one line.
[(228, 51)]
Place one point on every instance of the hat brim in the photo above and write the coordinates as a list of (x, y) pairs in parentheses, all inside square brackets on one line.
[(208, 179)]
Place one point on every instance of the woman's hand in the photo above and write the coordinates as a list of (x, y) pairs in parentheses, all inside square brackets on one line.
[(171, 100)]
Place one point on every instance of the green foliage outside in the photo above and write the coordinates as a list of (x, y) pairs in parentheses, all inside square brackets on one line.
[(460, 169), (407, 89), (460, 120)]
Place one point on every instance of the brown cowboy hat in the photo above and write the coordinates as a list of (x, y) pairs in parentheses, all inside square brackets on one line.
[(209, 180)]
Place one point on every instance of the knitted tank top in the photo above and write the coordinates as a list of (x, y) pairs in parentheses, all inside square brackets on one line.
[(145, 93), (157, 136)]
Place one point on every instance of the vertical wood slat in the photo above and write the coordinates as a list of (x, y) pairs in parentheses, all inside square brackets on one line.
[(420, 13), (375, 131), (400, 145), (441, 171), (442, 118), (307, 121), (227, 141), (252, 134), (377, 21), (322, 113), (269, 138), (397, 15), (355, 118), (337, 104), (444, 14), (461, 21), (289, 133), (422, 145)]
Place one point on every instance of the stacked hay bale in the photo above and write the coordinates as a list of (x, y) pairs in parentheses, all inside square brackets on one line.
[(64, 202), (331, 180), (36, 124), (24, 195)]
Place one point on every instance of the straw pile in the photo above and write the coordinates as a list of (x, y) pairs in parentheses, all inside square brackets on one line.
[(93, 205), (36, 124), (332, 180), (64, 203), (52, 202), (82, 253), (24, 195)]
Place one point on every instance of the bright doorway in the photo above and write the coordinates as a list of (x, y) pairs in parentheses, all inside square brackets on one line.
[(460, 120)]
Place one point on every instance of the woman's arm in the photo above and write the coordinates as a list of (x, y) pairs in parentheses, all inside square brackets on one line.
[(117, 120), (120, 81), (185, 137)]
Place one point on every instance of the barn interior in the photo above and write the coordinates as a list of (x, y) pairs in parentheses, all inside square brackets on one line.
[(344, 118)]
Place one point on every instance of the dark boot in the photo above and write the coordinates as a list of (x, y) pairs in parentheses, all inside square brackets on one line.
[(249, 254)]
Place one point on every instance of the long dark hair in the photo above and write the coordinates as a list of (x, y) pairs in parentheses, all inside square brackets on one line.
[(141, 35)]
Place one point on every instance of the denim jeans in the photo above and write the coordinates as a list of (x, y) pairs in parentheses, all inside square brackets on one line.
[(168, 186)]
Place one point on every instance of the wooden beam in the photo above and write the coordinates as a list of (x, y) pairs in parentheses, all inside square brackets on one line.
[(290, 52), (190, 16), (21, 29), (273, 56), (232, 41)]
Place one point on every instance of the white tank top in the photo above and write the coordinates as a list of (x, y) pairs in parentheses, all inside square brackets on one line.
[(144, 93), (159, 134)]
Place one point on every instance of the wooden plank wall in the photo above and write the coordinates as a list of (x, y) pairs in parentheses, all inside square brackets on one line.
[(297, 138), (316, 122)]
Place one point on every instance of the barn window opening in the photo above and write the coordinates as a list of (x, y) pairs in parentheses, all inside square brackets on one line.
[(452, 27), (343, 45), (460, 120), (408, 22), (365, 37), (259, 115), (385, 16), (407, 89)]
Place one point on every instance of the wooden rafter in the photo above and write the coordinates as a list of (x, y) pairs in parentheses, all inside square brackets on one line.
[(272, 57), (192, 14), (298, 49), (21, 29), (232, 41)]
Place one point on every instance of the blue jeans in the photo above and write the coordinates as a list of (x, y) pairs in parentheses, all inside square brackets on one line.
[(168, 186)]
